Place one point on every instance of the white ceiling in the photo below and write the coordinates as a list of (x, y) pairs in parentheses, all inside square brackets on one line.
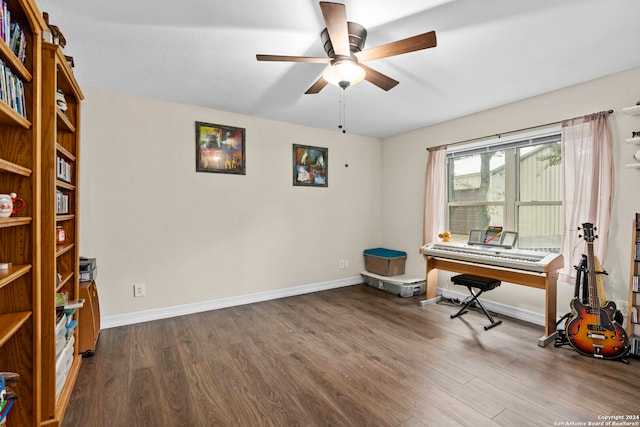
[(489, 53)]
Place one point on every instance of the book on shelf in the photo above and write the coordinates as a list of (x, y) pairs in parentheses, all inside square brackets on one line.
[(12, 90), (18, 42), (63, 170), (12, 34), (62, 203), (5, 19)]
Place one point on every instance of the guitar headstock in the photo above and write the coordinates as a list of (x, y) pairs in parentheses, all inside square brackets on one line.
[(588, 229)]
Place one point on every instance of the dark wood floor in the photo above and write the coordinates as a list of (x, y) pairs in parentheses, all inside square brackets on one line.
[(353, 356)]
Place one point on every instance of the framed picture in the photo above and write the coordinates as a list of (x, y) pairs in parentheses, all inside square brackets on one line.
[(310, 166), (219, 149)]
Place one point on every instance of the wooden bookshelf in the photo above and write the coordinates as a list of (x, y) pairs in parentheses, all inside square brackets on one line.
[(60, 143), (20, 234)]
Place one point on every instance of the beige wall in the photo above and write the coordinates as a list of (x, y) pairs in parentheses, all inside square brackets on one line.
[(404, 159), (148, 217), (190, 237)]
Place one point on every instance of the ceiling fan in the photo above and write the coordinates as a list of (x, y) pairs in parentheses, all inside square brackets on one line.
[(343, 42)]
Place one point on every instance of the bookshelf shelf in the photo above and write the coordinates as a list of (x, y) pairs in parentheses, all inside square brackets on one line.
[(63, 249), (14, 63), (9, 116), (10, 167), (11, 323), (13, 273), (65, 281), (15, 221), (65, 153), (64, 123), (67, 217), (65, 185), (633, 111)]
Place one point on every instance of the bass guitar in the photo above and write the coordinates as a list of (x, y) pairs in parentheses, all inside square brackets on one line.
[(592, 329)]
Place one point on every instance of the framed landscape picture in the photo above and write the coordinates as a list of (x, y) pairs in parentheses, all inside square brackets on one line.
[(219, 149), (310, 166)]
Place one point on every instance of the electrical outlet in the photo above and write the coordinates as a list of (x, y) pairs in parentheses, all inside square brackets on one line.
[(341, 264), (346, 263), (138, 290)]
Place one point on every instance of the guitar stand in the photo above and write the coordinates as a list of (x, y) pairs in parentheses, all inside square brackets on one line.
[(561, 338), (481, 283)]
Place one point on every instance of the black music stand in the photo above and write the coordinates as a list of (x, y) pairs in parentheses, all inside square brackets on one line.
[(481, 283)]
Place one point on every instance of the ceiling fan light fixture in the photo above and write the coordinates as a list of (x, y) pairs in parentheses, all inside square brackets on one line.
[(344, 73)]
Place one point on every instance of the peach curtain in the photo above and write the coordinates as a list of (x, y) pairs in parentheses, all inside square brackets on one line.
[(588, 184), (434, 185)]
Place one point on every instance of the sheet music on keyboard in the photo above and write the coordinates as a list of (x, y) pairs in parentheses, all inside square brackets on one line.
[(509, 258)]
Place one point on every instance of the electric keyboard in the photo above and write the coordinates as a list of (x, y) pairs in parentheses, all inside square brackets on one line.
[(527, 268), (517, 259)]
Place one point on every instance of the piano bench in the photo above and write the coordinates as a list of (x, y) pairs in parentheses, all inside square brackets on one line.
[(483, 284)]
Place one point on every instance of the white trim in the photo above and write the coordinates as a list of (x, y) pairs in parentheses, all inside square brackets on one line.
[(192, 308), (197, 307), (496, 307)]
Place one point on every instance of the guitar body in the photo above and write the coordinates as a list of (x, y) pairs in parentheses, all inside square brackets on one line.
[(592, 332), (593, 329)]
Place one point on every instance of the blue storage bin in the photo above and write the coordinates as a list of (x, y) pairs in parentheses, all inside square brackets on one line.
[(385, 262)]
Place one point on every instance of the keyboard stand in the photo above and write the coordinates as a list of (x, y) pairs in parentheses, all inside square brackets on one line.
[(483, 284)]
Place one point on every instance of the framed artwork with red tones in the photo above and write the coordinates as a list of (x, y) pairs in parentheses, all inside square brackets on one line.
[(220, 149)]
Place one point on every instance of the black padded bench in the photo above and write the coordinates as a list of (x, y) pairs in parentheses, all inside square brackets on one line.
[(481, 283)]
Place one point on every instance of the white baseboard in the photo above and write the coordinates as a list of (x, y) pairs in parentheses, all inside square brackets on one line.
[(184, 309), (197, 307), (496, 307)]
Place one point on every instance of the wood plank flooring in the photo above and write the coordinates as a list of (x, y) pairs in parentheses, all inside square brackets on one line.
[(353, 356)]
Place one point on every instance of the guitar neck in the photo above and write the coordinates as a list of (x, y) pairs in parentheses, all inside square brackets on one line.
[(594, 300)]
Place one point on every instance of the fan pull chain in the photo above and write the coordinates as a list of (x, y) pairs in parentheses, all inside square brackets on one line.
[(343, 111)]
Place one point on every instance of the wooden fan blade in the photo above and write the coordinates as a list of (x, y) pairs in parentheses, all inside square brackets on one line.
[(317, 86), (411, 44), (286, 58), (377, 78), (335, 17)]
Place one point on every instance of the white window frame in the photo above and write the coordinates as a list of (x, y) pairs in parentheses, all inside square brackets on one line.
[(508, 144)]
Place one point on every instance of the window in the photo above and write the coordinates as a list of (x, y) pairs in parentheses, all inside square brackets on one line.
[(514, 183)]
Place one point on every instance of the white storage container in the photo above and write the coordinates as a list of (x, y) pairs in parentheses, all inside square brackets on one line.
[(61, 332), (63, 365), (401, 285)]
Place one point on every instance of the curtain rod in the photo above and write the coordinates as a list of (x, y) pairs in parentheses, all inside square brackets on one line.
[(505, 133)]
